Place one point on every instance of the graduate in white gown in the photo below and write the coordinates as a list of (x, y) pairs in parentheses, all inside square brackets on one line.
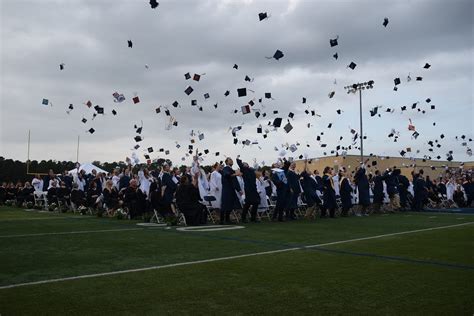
[(203, 184), (215, 186), (261, 185), (450, 188)]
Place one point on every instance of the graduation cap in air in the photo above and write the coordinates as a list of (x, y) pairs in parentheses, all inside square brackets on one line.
[(277, 122), (206, 96), (404, 108), (136, 147), (333, 42), (278, 54), (402, 153), (71, 107), (441, 136), (257, 114), (352, 65), (236, 141), (147, 157), (196, 77), (262, 16), (91, 130), (150, 149), (331, 94), (167, 112), (136, 100), (288, 127), (139, 130), (313, 112), (338, 111), (84, 120), (247, 78), (433, 107), (99, 110), (275, 112), (130, 44), (413, 106), (259, 129), (304, 100), (175, 104), (427, 66), (236, 66), (45, 102), (193, 102), (188, 90), (428, 100), (335, 56), (88, 103), (61, 66), (118, 98), (154, 4), (419, 78), (291, 115), (187, 76), (268, 95), (114, 112), (385, 22), (138, 138), (397, 81), (227, 93), (241, 92), (158, 110), (246, 109), (329, 125), (215, 105)]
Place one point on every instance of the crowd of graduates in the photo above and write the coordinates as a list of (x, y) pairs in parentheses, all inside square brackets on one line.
[(280, 193)]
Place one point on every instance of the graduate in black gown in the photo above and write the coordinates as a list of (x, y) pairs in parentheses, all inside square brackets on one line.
[(360, 179), (345, 191), (168, 188), (294, 191), (134, 199), (420, 191), (25, 195), (329, 194), (188, 201), (281, 183), (310, 186), (252, 198), (230, 189), (403, 185), (378, 192), (111, 198)]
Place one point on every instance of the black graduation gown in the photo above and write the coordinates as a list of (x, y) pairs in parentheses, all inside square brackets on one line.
[(250, 186), (360, 178), (167, 180), (309, 188), (293, 189), (329, 195), (345, 191), (229, 187), (378, 189)]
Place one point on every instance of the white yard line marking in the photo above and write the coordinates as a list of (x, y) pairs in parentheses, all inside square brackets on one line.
[(29, 219), (75, 232), (209, 228), (86, 276), (433, 217)]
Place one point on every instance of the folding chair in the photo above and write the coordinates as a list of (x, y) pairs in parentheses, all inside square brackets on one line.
[(40, 199), (210, 210)]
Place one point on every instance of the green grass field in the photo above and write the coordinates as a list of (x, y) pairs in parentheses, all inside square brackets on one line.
[(402, 267)]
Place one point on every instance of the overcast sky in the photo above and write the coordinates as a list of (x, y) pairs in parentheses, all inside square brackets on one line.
[(90, 38)]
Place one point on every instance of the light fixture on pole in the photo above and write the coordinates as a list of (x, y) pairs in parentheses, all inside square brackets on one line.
[(353, 89)]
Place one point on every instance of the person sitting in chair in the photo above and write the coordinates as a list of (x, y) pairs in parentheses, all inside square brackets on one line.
[(188, 201), (111, 198), (78, 197), (134, 199)]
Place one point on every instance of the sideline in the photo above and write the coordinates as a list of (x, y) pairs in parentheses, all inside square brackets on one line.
[(86, 276)]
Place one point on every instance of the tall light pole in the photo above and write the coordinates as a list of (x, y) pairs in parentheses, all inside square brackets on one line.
[(353, 89)]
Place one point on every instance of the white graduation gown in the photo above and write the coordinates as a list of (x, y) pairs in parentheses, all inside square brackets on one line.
[(215, 185), (261, 185)]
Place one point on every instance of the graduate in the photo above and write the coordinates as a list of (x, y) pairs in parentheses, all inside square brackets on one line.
[(188, 201), (345, 190), (262, 184), (360, 179), (281, 183), (215, 186), (252, 198), (378, 192), (294, 191), (168, 188), (310, 186), (230, 186), (329, 194)]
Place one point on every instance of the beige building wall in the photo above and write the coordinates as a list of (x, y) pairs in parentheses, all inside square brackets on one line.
[(434, 169)]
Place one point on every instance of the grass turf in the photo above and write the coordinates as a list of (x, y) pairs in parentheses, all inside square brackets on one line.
[(360, 277)]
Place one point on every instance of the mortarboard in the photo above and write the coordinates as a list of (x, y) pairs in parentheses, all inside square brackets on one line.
[(245, 109), (288, 127), (136, 100), (114, 112), (71, 107), (262, 16), (167, 112), (419, 78), (313, 112), (402, 153), (385, 22), (403, 108), (146, 156), (46, 102), (130, 44), (138, 138), (193, 102), (278, 54), (167, 152), (154, 4), (206, 151), (333, 42), (247, 78), (413, 106), (374, 111), (158, 110), (91, 130), (61, 66), (268, 95), (84, 120), (236, 141), (241, 92), (139, 130), (136, 147), (196, 77), (318, 138), (175, 104), (352, 65), (396, 81), (215, 105), (304, 101), (100, 110), (428, 100), (88, 103), (277, 122), (259, 130), (206, 96), (227, 93), (331, 94), (175, 123), (426, 66), (150, 149), (188, 90), (323, 145), (236, 66), (187, 76), (336, 56), (338, 111), (441, 136), (291, 115), (433, 107), (329, 125)]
